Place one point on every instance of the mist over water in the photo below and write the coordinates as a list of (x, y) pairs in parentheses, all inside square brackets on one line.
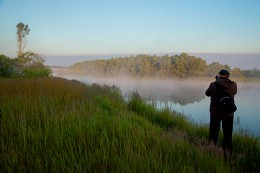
[(177, 91), (188, 97)]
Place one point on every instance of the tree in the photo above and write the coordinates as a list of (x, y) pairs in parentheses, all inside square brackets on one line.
[(236, 72), (28, 63), (6, 66), (32, 65), (22, 31), (215, 67)]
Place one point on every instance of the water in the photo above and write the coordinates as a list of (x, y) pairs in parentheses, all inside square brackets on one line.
[(188, 98)]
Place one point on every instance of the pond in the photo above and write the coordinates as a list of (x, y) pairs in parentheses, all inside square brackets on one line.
[(188, 97)]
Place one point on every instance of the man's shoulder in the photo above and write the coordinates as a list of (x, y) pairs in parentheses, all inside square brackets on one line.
[(233, 83), (213, 83)]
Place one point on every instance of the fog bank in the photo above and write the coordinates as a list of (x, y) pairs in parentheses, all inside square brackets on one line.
[(176, 91)]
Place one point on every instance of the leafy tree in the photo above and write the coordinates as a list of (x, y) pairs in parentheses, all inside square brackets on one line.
[(215, 67), (22, 31), (180, 65), (6, 66), (251, 73), (236, 72), (32, 65), (28, 63), (189, 66)]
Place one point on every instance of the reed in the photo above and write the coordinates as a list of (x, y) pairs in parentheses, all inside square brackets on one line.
[(60, 125)]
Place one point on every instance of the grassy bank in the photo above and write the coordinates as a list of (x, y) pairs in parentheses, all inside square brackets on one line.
[(57, 125)]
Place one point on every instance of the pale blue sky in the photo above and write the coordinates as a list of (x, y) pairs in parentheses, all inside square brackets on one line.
[(84, 27)]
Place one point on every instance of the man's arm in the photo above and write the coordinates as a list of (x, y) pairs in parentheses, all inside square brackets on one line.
[(208, 91)]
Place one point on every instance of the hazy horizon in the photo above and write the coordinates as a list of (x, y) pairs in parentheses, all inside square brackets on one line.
[(240, 60)]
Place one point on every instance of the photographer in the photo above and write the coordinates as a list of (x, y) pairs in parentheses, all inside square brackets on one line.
[(216, 117)]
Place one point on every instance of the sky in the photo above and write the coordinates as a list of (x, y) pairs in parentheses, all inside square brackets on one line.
[(90, 27)]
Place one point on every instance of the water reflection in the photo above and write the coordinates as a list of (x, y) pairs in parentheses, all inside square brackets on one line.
[(177, 91)]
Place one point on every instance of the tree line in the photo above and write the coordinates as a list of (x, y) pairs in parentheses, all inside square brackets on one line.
[(27, 63), (181, 66)]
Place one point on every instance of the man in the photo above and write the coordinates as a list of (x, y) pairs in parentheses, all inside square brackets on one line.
[(229, 87)]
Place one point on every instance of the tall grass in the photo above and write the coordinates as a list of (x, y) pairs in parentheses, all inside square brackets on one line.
[(58, 125)]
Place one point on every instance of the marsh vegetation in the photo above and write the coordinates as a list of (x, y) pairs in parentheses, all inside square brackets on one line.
[(60, 125)]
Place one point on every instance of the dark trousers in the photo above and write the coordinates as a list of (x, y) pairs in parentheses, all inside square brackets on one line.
[(227, 127)]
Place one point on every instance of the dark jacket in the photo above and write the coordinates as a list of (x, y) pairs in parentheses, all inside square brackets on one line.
[(228, 86)]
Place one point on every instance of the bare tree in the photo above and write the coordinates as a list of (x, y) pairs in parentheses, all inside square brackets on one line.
[(22, 31)]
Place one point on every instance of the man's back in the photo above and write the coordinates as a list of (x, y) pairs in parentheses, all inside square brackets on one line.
[(228, 86)]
